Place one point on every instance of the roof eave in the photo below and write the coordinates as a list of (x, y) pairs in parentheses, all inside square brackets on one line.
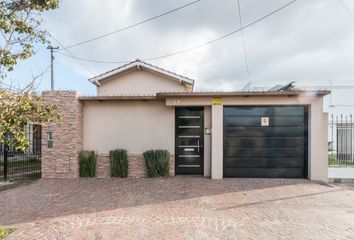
[(113, 98), (97, 83), (243, 94)]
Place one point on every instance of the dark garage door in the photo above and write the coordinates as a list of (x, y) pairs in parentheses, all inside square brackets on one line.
[(265, 142)]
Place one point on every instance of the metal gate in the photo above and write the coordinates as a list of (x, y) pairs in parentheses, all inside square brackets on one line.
[(341, 140), (17, 164)]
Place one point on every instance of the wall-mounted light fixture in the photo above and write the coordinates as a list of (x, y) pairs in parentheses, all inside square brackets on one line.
[(50, 139)]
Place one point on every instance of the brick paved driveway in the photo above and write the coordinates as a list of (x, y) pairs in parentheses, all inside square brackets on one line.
[(179, 208)]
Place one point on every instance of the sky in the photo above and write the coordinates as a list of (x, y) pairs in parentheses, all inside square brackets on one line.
[(311, 42)]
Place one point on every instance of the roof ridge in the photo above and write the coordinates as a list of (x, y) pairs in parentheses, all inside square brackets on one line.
[(115, 69), (137, 61), (164, 69)]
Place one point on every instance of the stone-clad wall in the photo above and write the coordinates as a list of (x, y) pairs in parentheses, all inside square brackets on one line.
[(103, 169), (61, 161), (172, 165)]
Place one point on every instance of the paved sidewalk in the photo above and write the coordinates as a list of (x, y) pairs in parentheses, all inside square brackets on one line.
[(178, 208)]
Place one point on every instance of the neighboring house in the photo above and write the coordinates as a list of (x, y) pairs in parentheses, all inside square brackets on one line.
[(278, 133)]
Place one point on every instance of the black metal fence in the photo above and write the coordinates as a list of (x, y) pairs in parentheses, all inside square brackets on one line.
[(340, 145), (18, 164)]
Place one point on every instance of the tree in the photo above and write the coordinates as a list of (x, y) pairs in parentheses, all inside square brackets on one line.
[(18, 110), (21, 28)]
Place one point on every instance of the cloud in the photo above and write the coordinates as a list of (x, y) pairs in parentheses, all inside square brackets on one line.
[(310, 41)]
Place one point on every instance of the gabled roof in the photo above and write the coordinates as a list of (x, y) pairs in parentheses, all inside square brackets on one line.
[(138, 64)]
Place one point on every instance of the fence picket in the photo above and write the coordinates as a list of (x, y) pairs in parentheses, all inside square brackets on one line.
[(16, 164), (340, 152)]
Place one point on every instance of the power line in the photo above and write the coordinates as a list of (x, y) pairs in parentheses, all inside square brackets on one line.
[(191, 48), (94, 61), (71, 54), (131, 26), (243, 45), (351, 14), (226, 35)]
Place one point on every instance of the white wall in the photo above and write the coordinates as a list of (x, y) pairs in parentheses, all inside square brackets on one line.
[(341, 172)]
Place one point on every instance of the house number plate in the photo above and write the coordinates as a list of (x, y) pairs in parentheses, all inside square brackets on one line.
[(265, 121), (172, 101)]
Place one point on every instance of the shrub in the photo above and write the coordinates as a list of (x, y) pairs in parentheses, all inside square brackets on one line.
[(157, 162), (87, 161), (119, 163), (331, 160)]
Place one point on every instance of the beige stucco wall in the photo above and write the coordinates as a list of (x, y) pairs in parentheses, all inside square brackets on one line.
[(318, 147), (318, 142), (217, 158), (140, 83), (207, 142), (134, 125), (142, 125)]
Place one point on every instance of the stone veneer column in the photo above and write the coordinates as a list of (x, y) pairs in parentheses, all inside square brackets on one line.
[(61, 161)]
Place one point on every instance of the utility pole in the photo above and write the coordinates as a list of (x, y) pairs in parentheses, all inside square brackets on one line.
[(52, 66)]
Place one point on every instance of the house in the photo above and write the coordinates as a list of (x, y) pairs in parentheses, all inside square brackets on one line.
[(280, 133)]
